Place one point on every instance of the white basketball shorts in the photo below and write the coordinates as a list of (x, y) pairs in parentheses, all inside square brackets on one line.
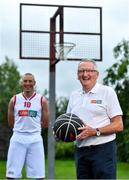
[(31, 155)]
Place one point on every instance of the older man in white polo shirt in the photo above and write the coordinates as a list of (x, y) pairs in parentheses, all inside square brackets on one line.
[(98, 107)]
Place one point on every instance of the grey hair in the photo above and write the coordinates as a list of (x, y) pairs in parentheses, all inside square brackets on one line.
[(90, 60)]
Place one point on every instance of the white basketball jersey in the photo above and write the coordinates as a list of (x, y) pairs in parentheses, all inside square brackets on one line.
[(27, 113)]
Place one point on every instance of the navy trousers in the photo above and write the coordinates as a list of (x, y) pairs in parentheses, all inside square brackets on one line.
[(96, 162)]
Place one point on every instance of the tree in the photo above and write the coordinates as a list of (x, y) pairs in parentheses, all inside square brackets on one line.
[(118, 77), (9, 85), (61, 105)]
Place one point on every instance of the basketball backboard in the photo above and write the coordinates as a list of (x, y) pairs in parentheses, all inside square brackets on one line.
[(81, 26)]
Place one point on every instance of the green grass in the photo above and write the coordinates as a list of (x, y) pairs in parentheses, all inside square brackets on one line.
[(65, 169), (123, 171)]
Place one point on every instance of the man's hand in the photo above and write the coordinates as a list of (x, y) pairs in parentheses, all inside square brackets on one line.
[(86, 131)]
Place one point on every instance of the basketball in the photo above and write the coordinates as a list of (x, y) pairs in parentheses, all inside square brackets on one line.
[(66, 127)]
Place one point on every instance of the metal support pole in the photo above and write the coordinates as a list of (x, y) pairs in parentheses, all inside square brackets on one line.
[(52, 96), (52, 99), (51, 140)]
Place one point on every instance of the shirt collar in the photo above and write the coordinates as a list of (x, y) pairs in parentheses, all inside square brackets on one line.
[(93, 90)]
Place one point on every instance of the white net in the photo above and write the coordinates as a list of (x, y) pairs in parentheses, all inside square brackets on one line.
[(62, 50)]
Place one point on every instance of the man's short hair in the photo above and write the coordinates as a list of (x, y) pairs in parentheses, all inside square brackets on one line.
[(30, 74), (92, 61)]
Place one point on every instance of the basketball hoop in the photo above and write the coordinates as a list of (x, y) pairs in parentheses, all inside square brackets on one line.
[(63, 49)]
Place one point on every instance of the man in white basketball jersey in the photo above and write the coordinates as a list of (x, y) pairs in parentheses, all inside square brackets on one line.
[(27, 114), (98, 107)]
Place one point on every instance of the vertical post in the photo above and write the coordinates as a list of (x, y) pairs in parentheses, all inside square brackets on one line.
[(61, 24), (52, 82), (51, 140)]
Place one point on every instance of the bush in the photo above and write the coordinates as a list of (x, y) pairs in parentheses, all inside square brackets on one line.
[(64, 150), (123, 146)]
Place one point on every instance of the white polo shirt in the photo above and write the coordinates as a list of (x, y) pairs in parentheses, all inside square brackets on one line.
[(95, 108)]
